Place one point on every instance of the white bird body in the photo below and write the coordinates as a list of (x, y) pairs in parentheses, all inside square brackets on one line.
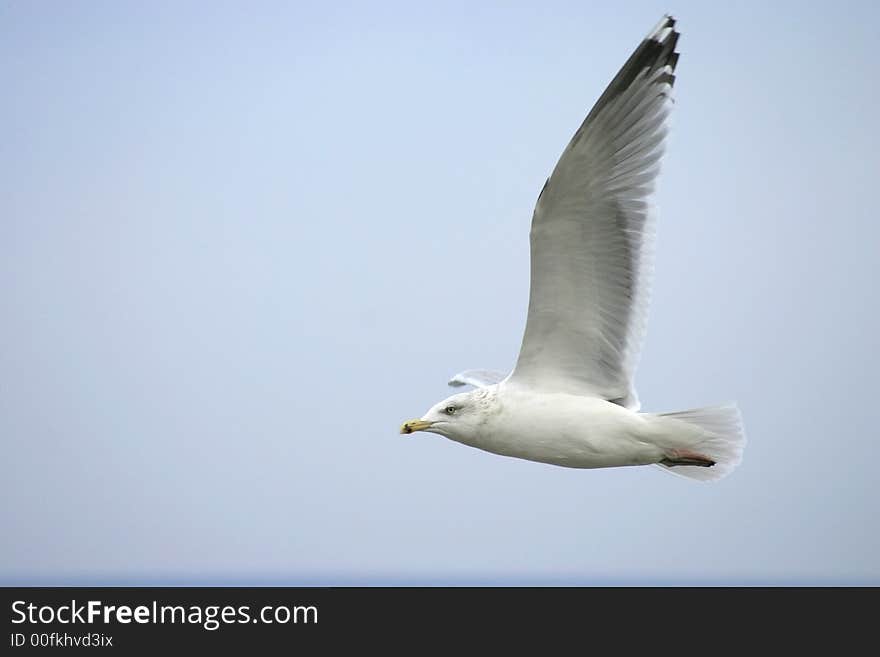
[(562, 429), (570, 399)]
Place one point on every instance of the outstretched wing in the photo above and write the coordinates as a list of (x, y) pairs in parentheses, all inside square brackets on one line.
[(476, 378), (591, 236)]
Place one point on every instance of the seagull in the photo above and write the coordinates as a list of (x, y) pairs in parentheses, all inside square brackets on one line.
[(570, 399)]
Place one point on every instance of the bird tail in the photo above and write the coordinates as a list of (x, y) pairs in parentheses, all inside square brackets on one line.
[(720, 437)]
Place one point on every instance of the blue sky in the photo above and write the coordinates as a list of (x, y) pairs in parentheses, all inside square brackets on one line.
[(241, 242)]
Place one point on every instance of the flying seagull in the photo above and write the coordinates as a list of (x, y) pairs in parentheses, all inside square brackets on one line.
[(570, 399)]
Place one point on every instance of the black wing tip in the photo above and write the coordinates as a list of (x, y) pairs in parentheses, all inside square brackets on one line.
[(659, 46), (656, 51), (659, 33)]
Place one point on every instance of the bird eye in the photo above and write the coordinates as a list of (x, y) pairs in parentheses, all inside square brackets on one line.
[(450, 410)]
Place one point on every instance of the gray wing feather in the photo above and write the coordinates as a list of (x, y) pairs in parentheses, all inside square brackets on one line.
[(592, 236), (476, 378)]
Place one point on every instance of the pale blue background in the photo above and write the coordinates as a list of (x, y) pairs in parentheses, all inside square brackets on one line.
[(240, 242)]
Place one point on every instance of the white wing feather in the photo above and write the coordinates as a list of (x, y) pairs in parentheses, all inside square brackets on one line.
[(591, 236), (476, 378)]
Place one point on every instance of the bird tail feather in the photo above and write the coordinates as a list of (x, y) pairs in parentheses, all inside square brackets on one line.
[(723, 441)]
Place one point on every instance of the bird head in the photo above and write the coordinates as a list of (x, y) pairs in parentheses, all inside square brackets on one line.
[(458, 417)]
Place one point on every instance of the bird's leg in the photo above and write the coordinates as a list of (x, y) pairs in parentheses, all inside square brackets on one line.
[(686, 457)]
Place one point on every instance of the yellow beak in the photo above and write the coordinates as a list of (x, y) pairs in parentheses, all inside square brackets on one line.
[(415, 425)]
